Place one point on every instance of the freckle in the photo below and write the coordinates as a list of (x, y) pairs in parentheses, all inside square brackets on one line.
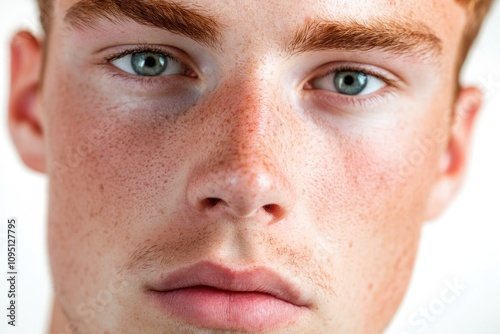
[(370, 287), (101, 187), (350, 244)]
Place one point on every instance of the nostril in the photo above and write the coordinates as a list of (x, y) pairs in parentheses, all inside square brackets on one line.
[(211, 202), (275, 210), (272, 209)]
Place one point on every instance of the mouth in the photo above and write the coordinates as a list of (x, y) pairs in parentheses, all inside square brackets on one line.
[(213, 296)]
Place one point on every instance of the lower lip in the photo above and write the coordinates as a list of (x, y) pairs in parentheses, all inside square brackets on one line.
[(212, 308)]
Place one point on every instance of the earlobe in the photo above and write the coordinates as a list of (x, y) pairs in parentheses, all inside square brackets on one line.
[(454, 158), (24, 112)]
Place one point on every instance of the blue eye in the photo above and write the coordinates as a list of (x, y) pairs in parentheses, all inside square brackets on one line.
[(149, 64), (349, 82)]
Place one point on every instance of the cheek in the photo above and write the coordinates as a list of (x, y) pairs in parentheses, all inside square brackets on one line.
[(375, 176), (107, 165), (371, 215)]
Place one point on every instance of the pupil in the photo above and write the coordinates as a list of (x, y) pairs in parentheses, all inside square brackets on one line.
[(150, 62), (349, 80)]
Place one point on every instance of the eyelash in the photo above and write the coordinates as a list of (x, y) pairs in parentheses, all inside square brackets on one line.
[(354, 100), (139, 49), (355, 68)]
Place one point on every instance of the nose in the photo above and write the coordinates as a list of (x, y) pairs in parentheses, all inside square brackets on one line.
[(244, 172), (241, 190)]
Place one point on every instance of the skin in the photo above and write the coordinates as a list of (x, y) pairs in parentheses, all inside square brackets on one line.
[(309, 182)]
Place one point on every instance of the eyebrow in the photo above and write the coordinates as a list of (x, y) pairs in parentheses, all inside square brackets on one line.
[(177, 18), (402, 37)]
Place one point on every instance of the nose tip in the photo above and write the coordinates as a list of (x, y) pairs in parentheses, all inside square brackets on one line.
[(241, 192)]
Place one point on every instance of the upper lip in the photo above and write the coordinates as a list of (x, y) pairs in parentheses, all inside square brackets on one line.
[(209, 274)]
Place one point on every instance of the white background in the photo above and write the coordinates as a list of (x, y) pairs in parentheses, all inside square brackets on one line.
[(462, 246)]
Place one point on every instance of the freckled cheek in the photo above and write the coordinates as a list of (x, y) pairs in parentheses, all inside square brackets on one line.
[(104, 163), (116, 167), (113, 147), (371, 216), (368, 178)]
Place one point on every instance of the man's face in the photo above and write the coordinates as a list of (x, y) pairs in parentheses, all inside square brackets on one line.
[(261, 175)]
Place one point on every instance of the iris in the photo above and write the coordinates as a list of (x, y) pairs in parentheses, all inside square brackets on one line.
[(148, 63), (350, 82)]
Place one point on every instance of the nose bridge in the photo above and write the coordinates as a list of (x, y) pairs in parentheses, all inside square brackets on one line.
[(249, 103), (246, 169), (254, 123)]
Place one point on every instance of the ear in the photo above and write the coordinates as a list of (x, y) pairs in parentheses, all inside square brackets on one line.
[(454, 158), (24, 111)]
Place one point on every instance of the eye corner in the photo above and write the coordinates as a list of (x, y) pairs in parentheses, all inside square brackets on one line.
[(308, 85)]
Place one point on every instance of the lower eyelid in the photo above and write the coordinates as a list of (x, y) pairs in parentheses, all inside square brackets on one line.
[(329, 100), (158, 86)]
